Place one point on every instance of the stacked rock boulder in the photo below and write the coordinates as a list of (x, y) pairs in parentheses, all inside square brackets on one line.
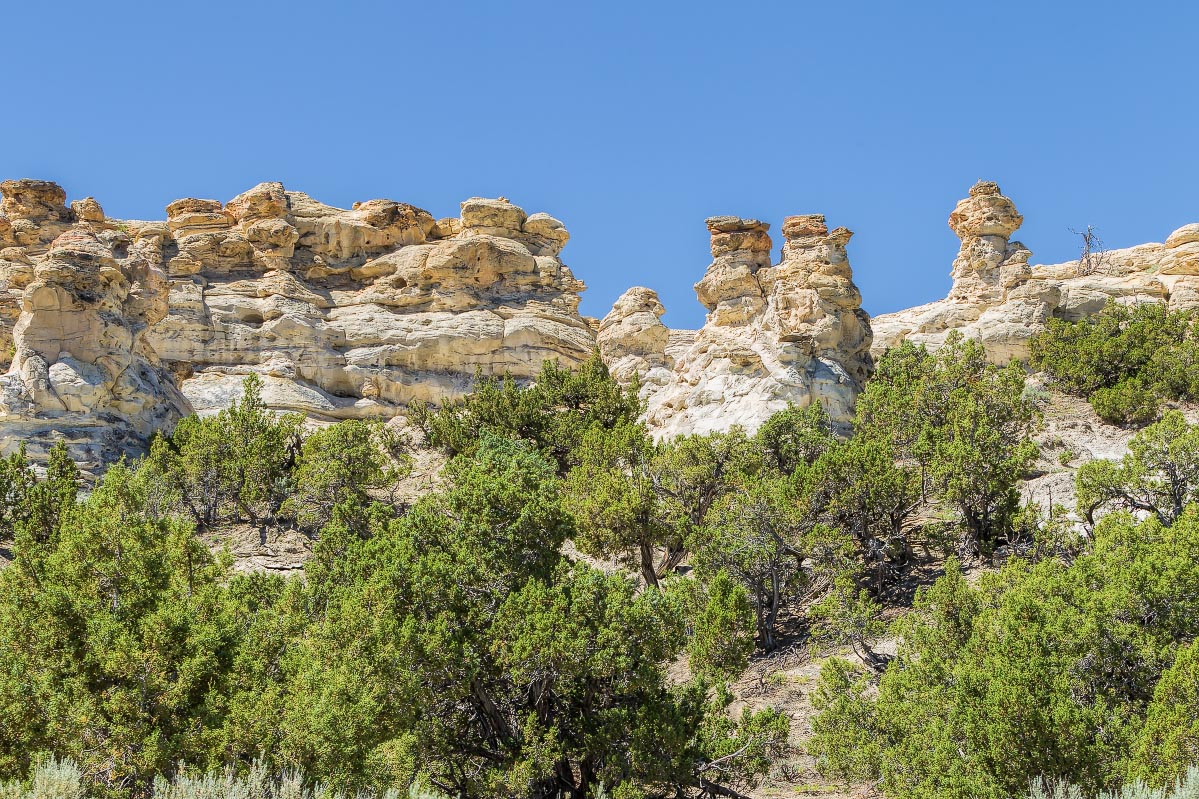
[(789, 333), (999, 299), (632, 339)]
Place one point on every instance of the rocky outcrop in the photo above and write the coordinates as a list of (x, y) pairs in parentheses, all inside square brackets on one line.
[(632, 339), (999, 299), (79, 295), (110, 330), (115, 328), (354, 313), (789, 333)]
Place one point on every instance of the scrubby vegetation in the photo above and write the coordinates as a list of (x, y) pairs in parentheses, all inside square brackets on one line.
[(1045, 670), (1186, 787), (457, 646), (1126, 360), (450, 644)]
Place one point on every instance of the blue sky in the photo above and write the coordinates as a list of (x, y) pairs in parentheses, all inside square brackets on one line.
[(631, 122)]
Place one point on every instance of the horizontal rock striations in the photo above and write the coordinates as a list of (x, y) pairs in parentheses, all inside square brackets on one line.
[(113, 329), (998, 298), (78, 296), (356, 313), (788, 333)]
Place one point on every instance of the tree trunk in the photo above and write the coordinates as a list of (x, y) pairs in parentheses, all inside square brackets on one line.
[(648, 573)]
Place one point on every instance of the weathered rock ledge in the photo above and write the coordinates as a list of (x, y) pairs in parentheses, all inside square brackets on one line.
[(793, 332), (998, 298), (111, 330)]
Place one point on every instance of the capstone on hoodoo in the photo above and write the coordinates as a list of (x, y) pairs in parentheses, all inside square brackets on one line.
[(999, 299), (788, 333), (113, 329)]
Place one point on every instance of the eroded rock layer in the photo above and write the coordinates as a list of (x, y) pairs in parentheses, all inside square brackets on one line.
[(788, 333), (113, 329), (1002, 301), (78, 295)]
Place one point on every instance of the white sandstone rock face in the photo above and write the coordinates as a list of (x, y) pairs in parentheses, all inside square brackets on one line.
[(789, 333), (1003, 302), (632, 339), (111, 330), (356, 313), (77, 297)]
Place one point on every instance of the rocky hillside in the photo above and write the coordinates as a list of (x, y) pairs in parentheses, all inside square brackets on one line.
[(1001, 300), (789, 333), (113, 329)]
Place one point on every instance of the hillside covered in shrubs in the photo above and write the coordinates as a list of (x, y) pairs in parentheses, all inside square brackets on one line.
[(569, 612)]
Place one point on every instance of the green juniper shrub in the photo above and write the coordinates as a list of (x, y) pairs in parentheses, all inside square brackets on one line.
[(1168, 743), (339, 464), (754, 538), (116, 641), (1159, 475), (722, 627), (532, 675), (795, 436), (964, 426), (1041, 671), (554, 413), (1126, 360), (234, 466)]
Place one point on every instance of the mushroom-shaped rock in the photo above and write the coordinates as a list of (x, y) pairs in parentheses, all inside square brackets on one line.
[(984, 222), (732, 233), (729, 289), (789, 333), (986, 212), (1001, 300)]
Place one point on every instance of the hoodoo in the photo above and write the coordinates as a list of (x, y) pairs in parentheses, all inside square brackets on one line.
[(111, 330), (793, 332), (999, 299)]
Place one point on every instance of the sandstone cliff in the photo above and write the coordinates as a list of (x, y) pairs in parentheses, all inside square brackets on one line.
[(788, 333), (113, 329), (78, 295), (1002, 301)]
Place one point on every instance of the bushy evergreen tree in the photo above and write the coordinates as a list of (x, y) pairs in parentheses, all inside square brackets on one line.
[(1046, 670), (1126, 360)]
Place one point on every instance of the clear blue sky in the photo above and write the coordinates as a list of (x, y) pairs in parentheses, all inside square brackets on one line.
[(630, 121)]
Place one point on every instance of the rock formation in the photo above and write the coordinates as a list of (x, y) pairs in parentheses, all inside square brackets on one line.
[(1002, 301), (632, 339), (789, 333), (116, 328), (356, 313), (77, 297), (111, 330)]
